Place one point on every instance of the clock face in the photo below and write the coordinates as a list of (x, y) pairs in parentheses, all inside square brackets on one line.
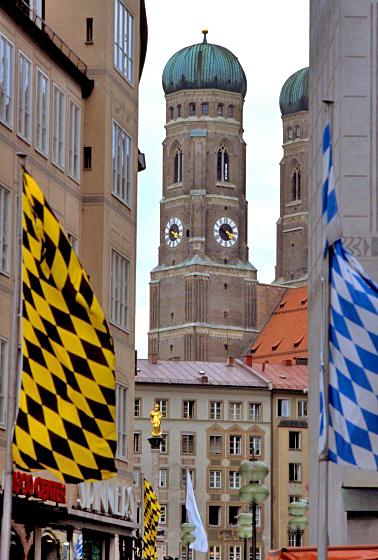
[(225, 232), (173, 232)]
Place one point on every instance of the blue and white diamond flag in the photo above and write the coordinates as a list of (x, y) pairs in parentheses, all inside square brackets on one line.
[(353, 346), (331, 218)]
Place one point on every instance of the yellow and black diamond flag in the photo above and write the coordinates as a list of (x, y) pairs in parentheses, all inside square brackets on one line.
[(152, 512), (66, 417)]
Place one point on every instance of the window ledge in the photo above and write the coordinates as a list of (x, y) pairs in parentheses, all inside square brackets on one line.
[(175, 185), (294, 202), (127, 204), (225, 184), (124, 329)]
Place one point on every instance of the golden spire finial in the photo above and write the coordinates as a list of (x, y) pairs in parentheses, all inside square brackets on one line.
[(205, 32)]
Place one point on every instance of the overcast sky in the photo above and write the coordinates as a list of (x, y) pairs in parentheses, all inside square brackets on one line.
[(270, 39)]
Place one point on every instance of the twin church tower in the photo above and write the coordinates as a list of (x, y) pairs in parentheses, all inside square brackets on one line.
[(204, 293)]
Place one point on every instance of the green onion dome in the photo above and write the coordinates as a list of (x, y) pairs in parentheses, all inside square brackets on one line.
[(204, 66), (294, 93)]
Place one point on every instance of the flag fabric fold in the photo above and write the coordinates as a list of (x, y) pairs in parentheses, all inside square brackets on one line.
[(66, 417), (330, 213), (152, 511), (353, 351), (193, 515)]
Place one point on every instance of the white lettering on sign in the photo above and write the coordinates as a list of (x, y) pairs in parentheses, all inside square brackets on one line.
[(108, 497)]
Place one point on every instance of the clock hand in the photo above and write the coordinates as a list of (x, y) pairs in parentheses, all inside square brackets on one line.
[(175, 234), (230, 235)]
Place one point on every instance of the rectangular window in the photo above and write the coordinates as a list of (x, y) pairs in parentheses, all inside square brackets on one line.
[(215, 410), (187, 444), (58, 126), (89, 35), (24, 97), (294, 539), (215, 479), (123, 40), (205, 108), (5, 233), (119, 297), (74, 142), (163, 478), (3, 377), (258, 516), (295, 474), (294, 440), (163, 514), (137, 408), (121, 155), (302, 409), (164, 443), (254, 412), (183, 478), (137, 442), (192, 108), (233, 512), (234, 480), (73, 241), (87, 157), (184, 551), (42, 113), (183, 513), (163, 406), (215, 515), (235, 411), (235, 445), (122, 421), (215, 552), (255, 445), (283, 408), (235, 552), (188, 409), (295, 498), (135, 476), (258, 553), (6, 81), (215, 445)]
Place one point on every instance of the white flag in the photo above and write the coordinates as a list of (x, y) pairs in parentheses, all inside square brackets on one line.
[(200, 543)]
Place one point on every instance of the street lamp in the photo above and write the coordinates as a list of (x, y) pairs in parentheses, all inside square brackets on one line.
[(245, 529), (298, 522), (254, 492), (186, 536)]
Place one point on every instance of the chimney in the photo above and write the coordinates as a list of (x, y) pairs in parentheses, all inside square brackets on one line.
[(263, 366), (204, 379), (152, 358), (230, 361)]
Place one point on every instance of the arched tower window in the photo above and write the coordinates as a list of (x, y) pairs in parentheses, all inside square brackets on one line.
[(171, 113), (179, 110), (230, 111), (205, 108), (220, 110), (296, 183), (192, 108), (297, 131), (178, 165), (290, 134), (223, 169)]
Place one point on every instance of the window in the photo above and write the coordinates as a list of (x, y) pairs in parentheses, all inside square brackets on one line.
[(187, 444), (295, 498), (215, 552), (235, 411), (302, 409), (58, 126), (178, 165), (87, 157), (290, 134), (122, 421), (233, 512), (283, 408), (137, 442), (297, 131), (258, 553), (183, 513), (230, 111), (135, 476), (163, 478), (215, 515), (294, 539), (121, 154), (192, 108), (119, 299), (220, 110), (183, 478), (205, 108), (254, 412), (74, 142), (215, 445), (6, 81), (3, 377), (163, 406), (295, 472), (215, 479), (235, 552), (223, 164), (164, 443), (235, 445), (258, 516), (89, 34), (188, 409), (24, 97), (179, 110), (215, 410), (74, 242), (42, 113), (294, 440), (163, 514), (255, 445), (184, 550), (171, 113), (296, 183), (123, 40), (137, 408), (4, 229), (234, 480)]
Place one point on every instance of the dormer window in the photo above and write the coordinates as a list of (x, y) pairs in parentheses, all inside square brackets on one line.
[(178, 165), (223, 172), (205, 108), (220, 110), (296, 183), (230, 111), (179, 110), (192, 108)]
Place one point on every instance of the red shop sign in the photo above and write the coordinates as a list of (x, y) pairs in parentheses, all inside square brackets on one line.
[(25, 485)]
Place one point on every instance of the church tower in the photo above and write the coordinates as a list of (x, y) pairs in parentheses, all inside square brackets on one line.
[(291, 263), (203, 291)]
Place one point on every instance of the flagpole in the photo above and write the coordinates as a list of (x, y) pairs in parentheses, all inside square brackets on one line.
[(6, 521)]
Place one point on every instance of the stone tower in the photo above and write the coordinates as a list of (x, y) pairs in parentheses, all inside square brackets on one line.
[(291, 263), (203, 291)]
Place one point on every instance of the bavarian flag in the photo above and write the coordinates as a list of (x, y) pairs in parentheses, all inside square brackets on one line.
[(66, 417), (152, 512)]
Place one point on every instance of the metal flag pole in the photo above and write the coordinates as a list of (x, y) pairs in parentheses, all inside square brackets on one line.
[(12, 377)]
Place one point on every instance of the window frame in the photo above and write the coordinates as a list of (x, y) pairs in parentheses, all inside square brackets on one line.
[(205, 108), (215, 552), (236, 480), (163, 477), (300, 413), (74, 141), (21, 90), (230, 111), (60, 138), (220, 512), (235, 438), (215, 479), (4, 349), (137, 440), (192, 473), (136, 471), (233, 415), (163, 514), (277, 408), (125, 51), (177, 165), (187, 444), (213, 453), (192, 109), (122, 164), (296, 472), (228, 516), (214, 415), (254, 437), (298, 440), (5, 229), (122, 416), (223, 164), (163, 406), (164, 443), (254, 417), (124, 302), (137, 407), (9, 75), (187, 415), (44, 117)]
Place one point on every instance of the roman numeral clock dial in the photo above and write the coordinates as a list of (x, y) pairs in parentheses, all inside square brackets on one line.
[(173, 232), (226, 232)]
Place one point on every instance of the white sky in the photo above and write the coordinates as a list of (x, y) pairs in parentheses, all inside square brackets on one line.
[(270, 39)]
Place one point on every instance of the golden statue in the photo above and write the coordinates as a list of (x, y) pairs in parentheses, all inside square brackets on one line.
[(156, 417)]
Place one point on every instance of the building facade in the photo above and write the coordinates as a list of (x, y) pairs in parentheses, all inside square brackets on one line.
[(343, 69), (69, 102)]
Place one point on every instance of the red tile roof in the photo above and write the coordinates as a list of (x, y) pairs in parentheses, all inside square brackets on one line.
[(284, 377), (284, 336)]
